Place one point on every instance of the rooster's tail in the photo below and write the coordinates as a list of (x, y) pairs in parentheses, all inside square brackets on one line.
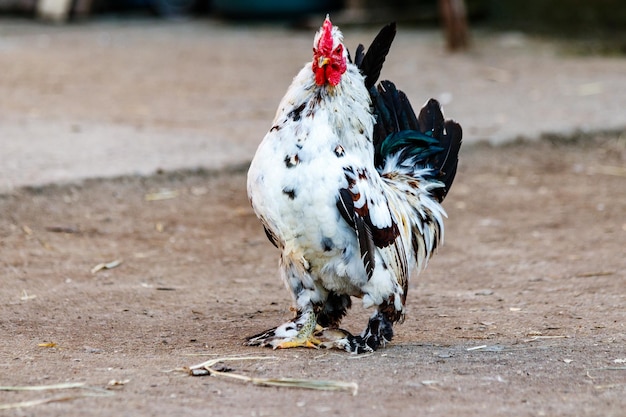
[(425, 148)]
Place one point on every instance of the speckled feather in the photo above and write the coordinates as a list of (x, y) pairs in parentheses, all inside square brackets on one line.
[(344, 226)]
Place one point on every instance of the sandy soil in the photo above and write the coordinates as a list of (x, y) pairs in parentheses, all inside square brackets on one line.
[(522, 312)]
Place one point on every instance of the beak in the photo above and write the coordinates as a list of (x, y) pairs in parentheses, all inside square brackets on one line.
[(322, 61)]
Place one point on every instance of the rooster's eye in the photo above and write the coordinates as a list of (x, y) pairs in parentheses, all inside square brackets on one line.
[(339, 49)]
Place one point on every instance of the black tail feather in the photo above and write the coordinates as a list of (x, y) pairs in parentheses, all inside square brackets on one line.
[(447, 161), (371, 63), (402, 116), (436, 140), (393, 113), (431, 119), (359, 54), (427, 140), (449, 135)]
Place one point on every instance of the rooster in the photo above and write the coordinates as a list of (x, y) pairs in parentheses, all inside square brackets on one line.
[(348, 184)]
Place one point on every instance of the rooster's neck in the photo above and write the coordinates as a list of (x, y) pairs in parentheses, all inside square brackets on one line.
[(328, 112)]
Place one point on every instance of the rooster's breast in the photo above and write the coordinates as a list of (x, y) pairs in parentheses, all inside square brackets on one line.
[(293, 184)]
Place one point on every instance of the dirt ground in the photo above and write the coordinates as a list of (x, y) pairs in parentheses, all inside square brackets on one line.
[(522, 312)]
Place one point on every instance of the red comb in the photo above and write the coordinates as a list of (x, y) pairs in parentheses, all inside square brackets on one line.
[(325, 44)]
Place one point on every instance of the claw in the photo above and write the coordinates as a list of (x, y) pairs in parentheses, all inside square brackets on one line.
[(309, 342), (298, 332), (332, 338), (303, 331)]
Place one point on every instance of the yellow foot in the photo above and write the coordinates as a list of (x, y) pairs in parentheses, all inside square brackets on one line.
[(309, 342)]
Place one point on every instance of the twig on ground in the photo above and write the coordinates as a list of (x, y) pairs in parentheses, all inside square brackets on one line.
[(206, 368), (106, 265), (92, 392)]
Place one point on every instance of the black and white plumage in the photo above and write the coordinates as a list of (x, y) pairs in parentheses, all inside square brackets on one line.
[(348, 184)]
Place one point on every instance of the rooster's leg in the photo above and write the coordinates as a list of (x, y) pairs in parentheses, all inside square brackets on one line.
[(333, 310), (378, 332), (309, 301), (298, 332)]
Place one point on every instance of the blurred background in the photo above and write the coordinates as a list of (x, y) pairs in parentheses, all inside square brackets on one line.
[(571, 17), (101, 88)]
